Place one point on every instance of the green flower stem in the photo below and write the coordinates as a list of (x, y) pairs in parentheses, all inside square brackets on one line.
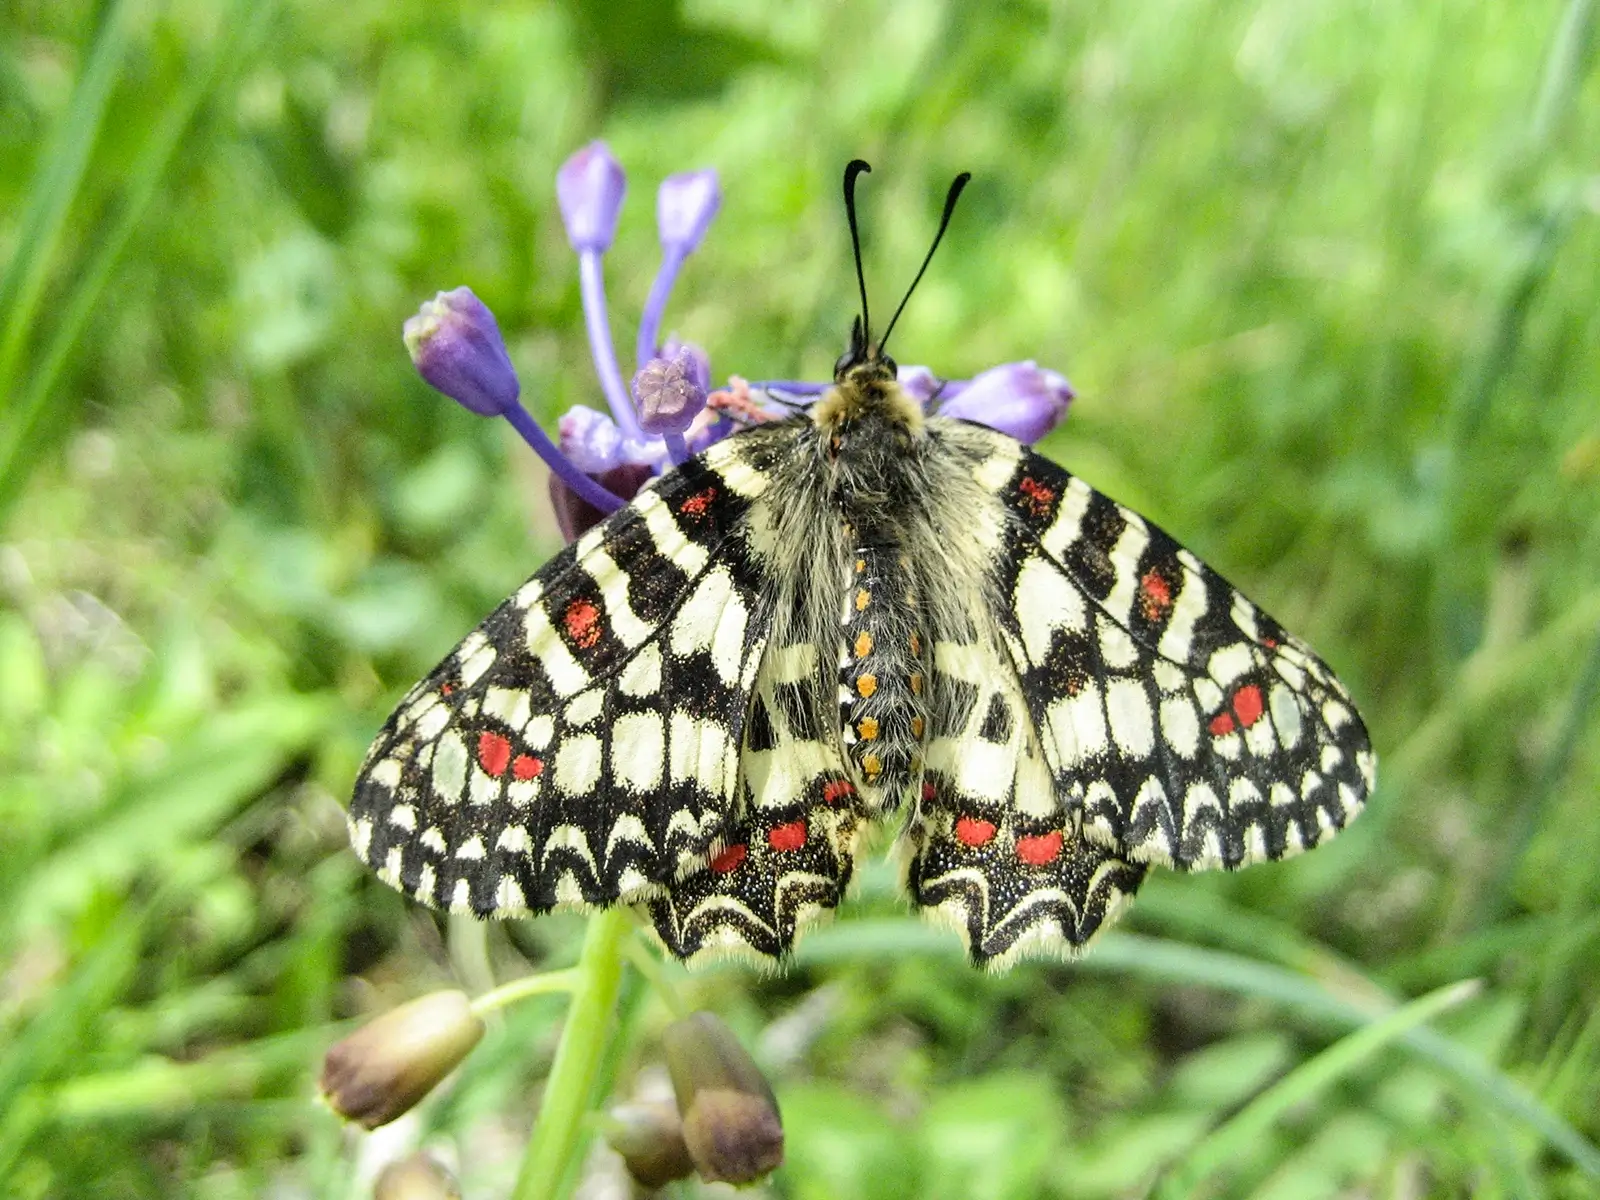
[(560, 1131), (529, 985), (650, 966)]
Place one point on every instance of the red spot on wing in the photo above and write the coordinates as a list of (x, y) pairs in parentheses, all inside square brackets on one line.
[(1037, 851), (1155, 596), (928, 794), (1247, 705), (971, 831), (1270, 643), (1220, 724), (446, 688), (1036, 497), (527, 767), (788, 837), (729, 859), (583, 623), (696, 505), (494, 753), (836, 790)]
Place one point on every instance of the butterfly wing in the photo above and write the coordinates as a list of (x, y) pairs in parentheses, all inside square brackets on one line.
[(1181, 723), (787, 859), (994, 854), (582, 745)]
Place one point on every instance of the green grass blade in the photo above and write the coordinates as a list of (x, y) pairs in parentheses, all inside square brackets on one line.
[(1238, 1135), (21, 422), (1172, 962), (55, 185)]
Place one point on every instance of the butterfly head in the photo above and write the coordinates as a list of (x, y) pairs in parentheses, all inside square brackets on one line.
[(863, 362), (864, 375)]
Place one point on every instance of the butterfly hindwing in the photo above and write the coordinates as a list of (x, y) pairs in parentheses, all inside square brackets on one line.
[(1182, 723), (582, 745), (993, 851), (788, 858)]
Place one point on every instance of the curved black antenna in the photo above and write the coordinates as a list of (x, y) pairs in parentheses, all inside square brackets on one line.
[(854, 168), (950, 199)]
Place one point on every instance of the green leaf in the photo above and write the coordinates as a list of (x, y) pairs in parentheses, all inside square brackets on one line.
[(838, 1146)]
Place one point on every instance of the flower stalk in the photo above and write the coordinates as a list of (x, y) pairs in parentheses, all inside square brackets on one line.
[(559, 1132)]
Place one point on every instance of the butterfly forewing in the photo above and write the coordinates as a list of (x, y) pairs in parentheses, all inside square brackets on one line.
[(582, 746), (1180, 721)]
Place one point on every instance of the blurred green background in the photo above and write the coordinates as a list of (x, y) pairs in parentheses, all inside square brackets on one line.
[(1325, 278)]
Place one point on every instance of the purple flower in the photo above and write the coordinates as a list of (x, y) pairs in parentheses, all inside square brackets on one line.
[(685, 206), (699, 360), (669, 393), (589, 189), (456, 346), (1021, 399), (673, 411), (919, 383)]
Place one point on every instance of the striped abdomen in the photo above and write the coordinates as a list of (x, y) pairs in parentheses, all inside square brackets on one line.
[(882, 693)]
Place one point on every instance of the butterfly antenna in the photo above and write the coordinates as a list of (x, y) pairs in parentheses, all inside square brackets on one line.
[(950, 199), (856, 167)]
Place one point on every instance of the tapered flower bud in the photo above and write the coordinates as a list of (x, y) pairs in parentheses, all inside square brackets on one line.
[(456, 346), (730, 1116), (669, 392), (589, 190), (1021, 399), (415, 1177), (382, 1069), (685, 206), (650, 1139)]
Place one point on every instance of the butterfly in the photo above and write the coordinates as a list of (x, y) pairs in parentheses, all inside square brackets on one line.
[(860, 613)]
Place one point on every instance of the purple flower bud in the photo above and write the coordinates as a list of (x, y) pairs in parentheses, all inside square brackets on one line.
[(668, 393), (731, 1124), (589, 189), (919, 383), (649, 1137), (590, 440), (575, 516), (685, 206), (1021, 399), (456, 346), (707, 428), (382, 1069)]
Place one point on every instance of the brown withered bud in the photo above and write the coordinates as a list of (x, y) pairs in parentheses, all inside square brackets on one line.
[(382, 1069), (415, 1177), (649, 1136), (731, 1124)]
